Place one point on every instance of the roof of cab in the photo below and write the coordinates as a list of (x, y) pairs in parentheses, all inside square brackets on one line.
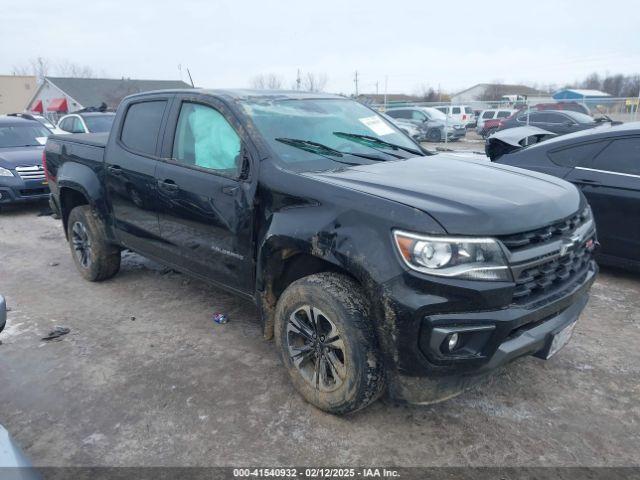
[(248, 94)]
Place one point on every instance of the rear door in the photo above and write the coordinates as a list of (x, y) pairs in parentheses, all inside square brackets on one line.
[(131, 159), (611, 184), (205, 194)]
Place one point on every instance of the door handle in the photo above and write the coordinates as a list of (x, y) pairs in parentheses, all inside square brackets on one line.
[(114, 169), (169, 185), (230, 189)]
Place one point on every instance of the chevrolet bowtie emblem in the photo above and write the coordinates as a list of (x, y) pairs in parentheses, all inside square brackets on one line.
[(568, 243)]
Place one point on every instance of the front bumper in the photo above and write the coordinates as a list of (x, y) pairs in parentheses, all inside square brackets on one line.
[(17, 190), (455, 134), (497, 334)]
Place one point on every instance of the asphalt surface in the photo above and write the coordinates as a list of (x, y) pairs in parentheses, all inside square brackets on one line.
[(145, 377)]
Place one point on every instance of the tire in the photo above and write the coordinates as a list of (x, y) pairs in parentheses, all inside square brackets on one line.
[(95, 258), (351, 369), (434, 135)]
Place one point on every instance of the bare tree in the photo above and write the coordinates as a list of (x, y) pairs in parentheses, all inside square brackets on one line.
[(66, 68), (428, 94), (314, 82), (268, 81), (39, 67)]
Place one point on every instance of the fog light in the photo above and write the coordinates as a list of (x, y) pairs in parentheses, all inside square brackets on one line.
[(453, 341)]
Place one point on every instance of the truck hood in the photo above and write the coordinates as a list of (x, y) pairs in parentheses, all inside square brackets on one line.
[(466, 197), (20, 156)]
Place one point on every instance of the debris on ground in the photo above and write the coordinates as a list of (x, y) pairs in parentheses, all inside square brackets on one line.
[(133, 319), (56, 333), (54, 264), (220, 318)]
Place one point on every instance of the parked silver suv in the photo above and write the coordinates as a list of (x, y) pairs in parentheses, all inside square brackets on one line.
[(433, 124)]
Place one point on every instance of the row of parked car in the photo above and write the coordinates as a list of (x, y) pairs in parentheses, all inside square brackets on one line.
[(22, 136)]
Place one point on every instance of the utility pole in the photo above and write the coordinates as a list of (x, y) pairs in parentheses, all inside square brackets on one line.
[(377, 82), (298, 81), (355, 80), (386, 77)]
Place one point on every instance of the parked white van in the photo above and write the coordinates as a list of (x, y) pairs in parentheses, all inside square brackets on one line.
[(490, 115), (462, 114)]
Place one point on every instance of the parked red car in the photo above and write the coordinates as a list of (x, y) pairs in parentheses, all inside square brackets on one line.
[(573, 106)]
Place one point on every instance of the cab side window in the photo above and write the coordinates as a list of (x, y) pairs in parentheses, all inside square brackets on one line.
[(141, 126), (205, 139)]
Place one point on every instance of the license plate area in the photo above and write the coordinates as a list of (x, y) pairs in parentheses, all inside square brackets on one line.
[(560, 339)]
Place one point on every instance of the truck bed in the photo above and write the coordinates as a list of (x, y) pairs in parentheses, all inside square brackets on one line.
[(93, 139)]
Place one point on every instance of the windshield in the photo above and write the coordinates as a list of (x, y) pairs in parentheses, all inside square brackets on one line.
[(99, 123), (324, 122), (22, 135), (435, 114), (580, 117)]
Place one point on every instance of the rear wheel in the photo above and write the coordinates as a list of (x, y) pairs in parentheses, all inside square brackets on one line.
[(328, 343), (95, 258)]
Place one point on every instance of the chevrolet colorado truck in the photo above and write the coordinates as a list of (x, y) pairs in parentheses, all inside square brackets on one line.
[(372, 262)]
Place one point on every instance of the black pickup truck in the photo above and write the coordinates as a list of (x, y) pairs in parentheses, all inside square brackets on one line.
[(373, 262)]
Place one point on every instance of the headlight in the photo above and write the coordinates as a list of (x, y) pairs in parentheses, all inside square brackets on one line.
[(5, 173), (470, 258)]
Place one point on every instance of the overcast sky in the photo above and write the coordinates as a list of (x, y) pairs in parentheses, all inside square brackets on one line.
[(454, 44)]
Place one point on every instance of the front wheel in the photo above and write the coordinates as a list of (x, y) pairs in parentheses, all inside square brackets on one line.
[(328, 343), (95, 258), (434, 135)]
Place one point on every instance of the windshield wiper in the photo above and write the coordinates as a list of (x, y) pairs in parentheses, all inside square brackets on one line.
[(369, 140), (320, 149)]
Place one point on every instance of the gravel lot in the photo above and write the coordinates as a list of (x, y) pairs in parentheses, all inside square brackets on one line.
[(146, 378)]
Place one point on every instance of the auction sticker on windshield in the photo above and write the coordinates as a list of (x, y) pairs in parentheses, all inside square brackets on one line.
[(376, 125)]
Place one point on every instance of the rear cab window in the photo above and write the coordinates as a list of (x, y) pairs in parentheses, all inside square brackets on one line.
[(141, 126), (468, 110)]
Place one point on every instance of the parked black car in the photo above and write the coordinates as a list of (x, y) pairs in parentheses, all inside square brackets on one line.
[(556, 121), (372, 262), (605, 164), (22, 177)]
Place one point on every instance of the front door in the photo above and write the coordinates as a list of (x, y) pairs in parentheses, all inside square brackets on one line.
[(131, 160), (204, 196)]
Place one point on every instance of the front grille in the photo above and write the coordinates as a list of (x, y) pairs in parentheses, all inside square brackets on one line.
[(541, 235), (553, 274), (35, 172)]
